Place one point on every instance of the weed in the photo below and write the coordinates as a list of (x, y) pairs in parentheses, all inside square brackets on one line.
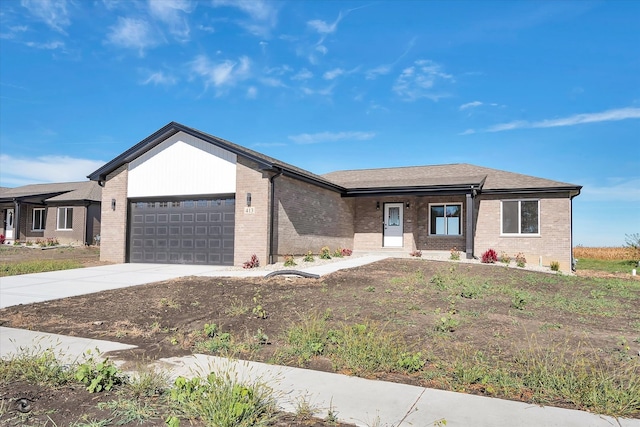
[(258, 310), (520, 299), (147, 382), (411, 362), (446, 323), (304, 410), (210, 330), (168, 302), (221, 400), (455, 254), (236, 308), (548, 326), (555, 266), (261, 337), (41, 366), (130, 411), (98, 375), (370, 289)]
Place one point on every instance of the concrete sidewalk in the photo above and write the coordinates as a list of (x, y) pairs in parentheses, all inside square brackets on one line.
[(354, 400), (39, 287)]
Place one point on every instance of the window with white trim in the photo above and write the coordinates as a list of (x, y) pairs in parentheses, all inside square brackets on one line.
[(37, 217), (65, 218), (520, 217), (445, 219)]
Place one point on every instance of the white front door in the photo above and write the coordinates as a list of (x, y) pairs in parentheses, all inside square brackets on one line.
[(8, 228), (392, 225)]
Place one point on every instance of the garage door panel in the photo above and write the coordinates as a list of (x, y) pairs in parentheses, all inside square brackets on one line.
[(182, 232)]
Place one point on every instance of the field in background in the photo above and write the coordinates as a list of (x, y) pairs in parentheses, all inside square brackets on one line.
[(608, 253)]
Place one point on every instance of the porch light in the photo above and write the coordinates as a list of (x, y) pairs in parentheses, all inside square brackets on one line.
[(113, 204), (248, 199), (408, 205), (377, 206)]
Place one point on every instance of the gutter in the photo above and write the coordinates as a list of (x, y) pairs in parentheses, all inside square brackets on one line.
[(272, 210)]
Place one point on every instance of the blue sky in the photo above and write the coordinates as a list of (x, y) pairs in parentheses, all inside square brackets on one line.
[(544, 88)]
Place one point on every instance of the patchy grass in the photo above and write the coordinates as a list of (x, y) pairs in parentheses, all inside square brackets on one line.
[(38, 266), (608, 265)]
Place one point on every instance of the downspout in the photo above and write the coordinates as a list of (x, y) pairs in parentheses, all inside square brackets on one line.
[(573, 260), (470, 231), (272, 208)]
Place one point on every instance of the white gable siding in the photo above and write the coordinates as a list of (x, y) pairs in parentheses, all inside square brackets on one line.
[(182, 165)]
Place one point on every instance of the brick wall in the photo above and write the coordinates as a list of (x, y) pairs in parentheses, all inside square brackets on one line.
[(252, 228), (368, 223), (75, 236), (309, 217), (113, 242), (553, 243), (428, 242)]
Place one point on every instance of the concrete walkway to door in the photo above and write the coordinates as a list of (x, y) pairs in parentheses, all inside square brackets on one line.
[(39, 287)]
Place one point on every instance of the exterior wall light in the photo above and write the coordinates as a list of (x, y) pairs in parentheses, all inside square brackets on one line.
[(408, 205), (248, 199), (113, 204), (377, 206)]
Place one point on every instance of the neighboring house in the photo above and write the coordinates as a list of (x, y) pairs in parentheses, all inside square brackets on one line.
[(68, 212), (184, 196)]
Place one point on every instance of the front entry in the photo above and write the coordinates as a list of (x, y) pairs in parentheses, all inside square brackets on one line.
[(392, 225), (8, 227)]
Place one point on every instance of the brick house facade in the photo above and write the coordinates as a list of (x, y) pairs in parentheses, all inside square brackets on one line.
[(184, 196)]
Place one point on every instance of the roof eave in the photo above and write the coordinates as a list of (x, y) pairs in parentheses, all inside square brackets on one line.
[(413, 190), (573, 190)]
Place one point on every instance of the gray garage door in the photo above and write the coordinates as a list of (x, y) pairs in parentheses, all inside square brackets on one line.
[(182, 231)]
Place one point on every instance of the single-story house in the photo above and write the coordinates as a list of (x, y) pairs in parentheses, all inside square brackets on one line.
[(68, 212), (184, 196)]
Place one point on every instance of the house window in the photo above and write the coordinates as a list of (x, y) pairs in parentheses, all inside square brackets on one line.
[(445, 220), (65, 218), (38, 219), (520, 217)]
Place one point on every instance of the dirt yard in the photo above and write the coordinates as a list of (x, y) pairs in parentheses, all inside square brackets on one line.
[(439, 310)]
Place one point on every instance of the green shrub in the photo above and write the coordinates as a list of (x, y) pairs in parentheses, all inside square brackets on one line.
[(309, 257), (289, 261), (555, 266), (98, 375), (325, 253)]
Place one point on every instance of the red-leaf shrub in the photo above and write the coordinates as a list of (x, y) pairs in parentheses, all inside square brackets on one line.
[(346, 252), (2, 239), (489, 257), (252, 263)]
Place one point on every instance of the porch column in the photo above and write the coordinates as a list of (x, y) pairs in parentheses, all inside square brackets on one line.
[(16, 220), (470, 231)]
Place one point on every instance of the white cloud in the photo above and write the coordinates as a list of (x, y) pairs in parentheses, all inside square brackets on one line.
[(132, 33), (385, 69), (616, 189), (22, 171), (322, 27), (263, 15), (577, 119), (252, 92), (223, 73), (316, 138), (13, 32), (419, 81), (303, 74), (160, 78), (470, 105), (48, 46), (332, 74), (51, 12), (468, 132), (171, 12)]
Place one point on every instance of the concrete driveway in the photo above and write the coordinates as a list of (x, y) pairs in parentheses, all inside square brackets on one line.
[(38, 287)]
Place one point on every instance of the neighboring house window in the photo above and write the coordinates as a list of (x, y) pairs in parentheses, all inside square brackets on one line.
[(445, 220), (520, 217), (38, 219), (65, 218)]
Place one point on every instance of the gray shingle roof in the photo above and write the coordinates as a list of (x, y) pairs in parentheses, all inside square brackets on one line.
[(442, 175), (58, 192)]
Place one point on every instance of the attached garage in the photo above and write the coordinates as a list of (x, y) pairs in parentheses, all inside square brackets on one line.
[(184, 231)]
